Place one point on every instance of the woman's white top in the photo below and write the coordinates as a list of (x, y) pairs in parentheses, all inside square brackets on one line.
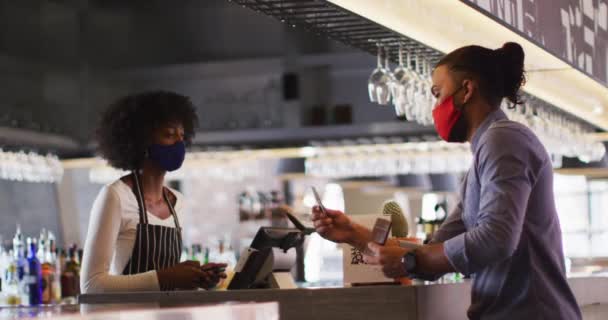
[(110, 241)]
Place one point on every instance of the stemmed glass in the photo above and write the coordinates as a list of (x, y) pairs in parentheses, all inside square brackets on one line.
[(402, 80), (373, 78), (428, 100), (379, 83), (413, 94), (410, 89), (421, 90), (561, 135), (31, 167), (390, 75)]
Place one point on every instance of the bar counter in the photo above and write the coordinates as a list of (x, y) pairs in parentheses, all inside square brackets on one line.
[(434, 301), (225, 311), (431, 301)]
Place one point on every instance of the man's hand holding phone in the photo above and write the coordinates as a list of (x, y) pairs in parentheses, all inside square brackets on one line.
[(332, 225)]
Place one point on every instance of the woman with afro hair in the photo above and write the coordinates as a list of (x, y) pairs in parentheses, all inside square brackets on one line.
[(134, 240)]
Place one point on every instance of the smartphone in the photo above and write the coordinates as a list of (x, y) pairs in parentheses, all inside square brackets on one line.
[(319, 203), (214, 267), (379, 234)]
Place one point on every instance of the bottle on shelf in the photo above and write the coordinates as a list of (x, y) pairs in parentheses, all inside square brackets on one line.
[(21, 266), (226, 255), (3, 266), (70, 277), (49, 271), (74, 265), (30, 271), (33, 278), (63, 256), (197, 253), (212, 251), (19, 252), (12, 287), (57, 267), (185, 255), (41, 244), (4, 261)]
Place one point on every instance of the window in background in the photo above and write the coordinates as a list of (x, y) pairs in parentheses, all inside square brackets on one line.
[(598, 201), (582, 207), (572, 208)]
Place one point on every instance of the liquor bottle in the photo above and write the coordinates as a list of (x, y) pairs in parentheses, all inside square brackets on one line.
[(34, 275), (19, 253), (4, 261), (41, 244), (75, 265), (12, 287), (63, 259), (185, 255), (58, 268), (48, 272), (226, 256), (3, 267), (70, 280), (21, 266), (197, 253)]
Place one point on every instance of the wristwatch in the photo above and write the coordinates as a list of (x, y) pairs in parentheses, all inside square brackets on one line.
[(409, 261)]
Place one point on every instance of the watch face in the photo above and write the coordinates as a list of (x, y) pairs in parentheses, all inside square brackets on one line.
[(409, 261)]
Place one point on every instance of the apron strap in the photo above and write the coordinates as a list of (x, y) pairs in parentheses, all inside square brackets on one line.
[(173, 213), (139, 195)]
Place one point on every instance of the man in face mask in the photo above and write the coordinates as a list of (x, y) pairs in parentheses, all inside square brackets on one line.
[(504, 230), (450, 123)]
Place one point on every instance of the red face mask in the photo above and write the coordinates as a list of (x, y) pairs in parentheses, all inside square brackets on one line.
[(446, 116)]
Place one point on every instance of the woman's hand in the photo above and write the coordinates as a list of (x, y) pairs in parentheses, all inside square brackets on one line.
[(213, 273), (185, 275)]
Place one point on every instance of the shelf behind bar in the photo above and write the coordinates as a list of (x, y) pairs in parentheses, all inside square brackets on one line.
[(304, 135)]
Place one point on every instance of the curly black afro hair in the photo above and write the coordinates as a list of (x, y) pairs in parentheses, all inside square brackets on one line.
[(126, 127)]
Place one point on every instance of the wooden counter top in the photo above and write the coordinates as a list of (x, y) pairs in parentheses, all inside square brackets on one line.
[(433, 301)]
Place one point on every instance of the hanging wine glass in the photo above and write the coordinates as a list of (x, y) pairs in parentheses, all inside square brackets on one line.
[(409, 90), (379, 82), (400, 85), (429, 99), (388, 81), (373, 78), (420, 93), (412, 93)]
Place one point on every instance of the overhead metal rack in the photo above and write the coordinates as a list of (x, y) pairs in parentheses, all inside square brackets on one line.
[(324, 18)]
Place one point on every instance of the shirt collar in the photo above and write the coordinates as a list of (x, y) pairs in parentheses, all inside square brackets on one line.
[(494, 116)]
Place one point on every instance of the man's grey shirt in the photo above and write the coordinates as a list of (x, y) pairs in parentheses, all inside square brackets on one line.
[(505, 231)]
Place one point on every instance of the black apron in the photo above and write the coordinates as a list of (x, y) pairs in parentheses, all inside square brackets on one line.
[(156, 247)]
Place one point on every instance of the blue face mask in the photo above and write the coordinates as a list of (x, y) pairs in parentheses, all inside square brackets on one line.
[(170, 158)]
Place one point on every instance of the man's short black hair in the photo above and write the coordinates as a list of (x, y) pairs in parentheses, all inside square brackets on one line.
[(126, 127)]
